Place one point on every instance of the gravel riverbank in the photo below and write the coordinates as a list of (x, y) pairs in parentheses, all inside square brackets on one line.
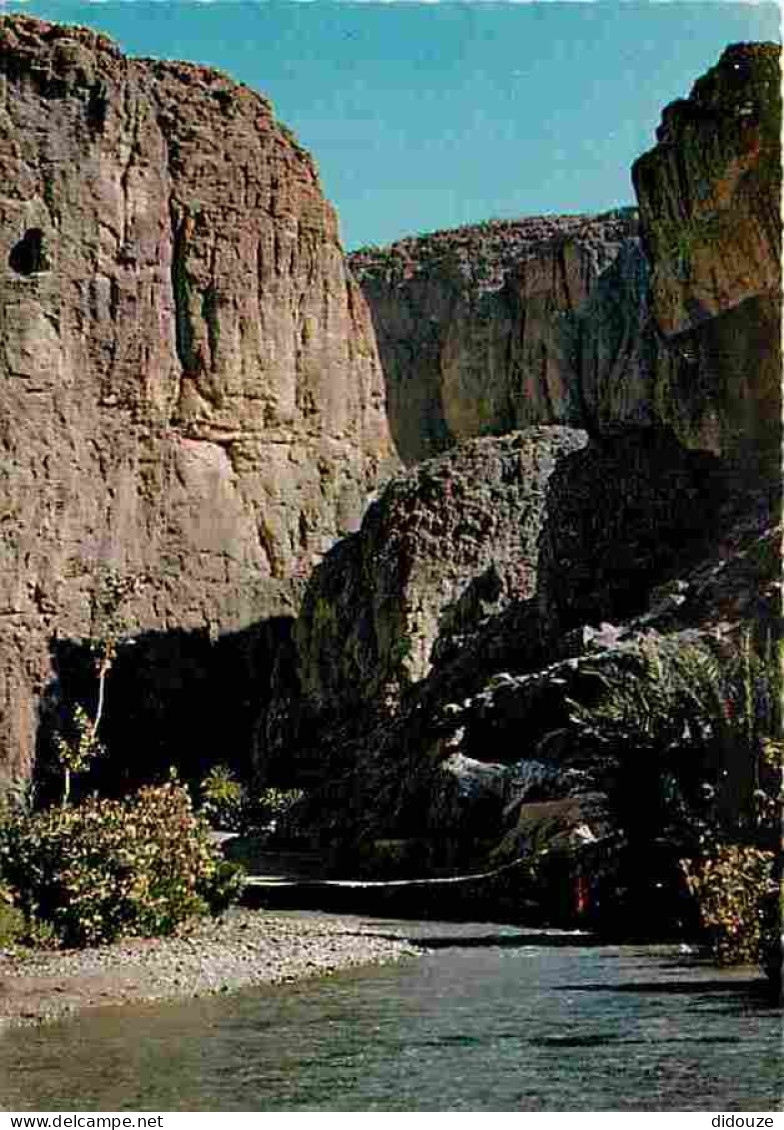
[(240, 949)]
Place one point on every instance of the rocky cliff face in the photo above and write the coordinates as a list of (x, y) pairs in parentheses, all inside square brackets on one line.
[(191, 407), (470, 765), (577, 320), (453, 541), (500, 552), (512, 323), (710, 210)]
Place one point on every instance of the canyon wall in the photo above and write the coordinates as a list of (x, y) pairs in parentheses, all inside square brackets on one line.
[(667, 314), (192, 411), (710, 211), (191, 405), (510, 323)]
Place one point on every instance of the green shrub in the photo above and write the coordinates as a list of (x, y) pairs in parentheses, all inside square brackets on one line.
[(692, 718), (692, 738), (272, 807), (105, 868), (12, 921), (229, 805), (732, 888), (224, 799)]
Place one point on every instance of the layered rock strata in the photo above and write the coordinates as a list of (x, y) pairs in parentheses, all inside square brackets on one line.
[(191, 406)]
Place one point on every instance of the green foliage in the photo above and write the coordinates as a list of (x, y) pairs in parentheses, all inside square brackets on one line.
[(18, 797), (401, 651), (106, 868), (694, 738), (709, 721), (224, 799), (77, 743), (732, 887), (229, 805), (75, 752), (277, 803), (112, 588), (324, 615), (12, 921), (646, 700)]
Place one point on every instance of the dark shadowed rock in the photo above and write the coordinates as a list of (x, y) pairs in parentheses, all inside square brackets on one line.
[(448, 544), (625, 513), (479, 745)]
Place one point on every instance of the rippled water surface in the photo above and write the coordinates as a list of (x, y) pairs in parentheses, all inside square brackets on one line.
[(485, 1022)]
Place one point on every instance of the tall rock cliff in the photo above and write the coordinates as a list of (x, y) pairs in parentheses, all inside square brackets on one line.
[(608, 321), (710, 210), (191, 406), (511, 323)]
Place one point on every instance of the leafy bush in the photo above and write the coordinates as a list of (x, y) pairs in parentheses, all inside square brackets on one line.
[(229, 805), (16, 800), (732, 888), (692, 736), (224, 799), (105, 868)]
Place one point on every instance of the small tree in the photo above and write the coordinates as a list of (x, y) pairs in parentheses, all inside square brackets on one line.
[(105, 868), (77, 751), (77, 748)]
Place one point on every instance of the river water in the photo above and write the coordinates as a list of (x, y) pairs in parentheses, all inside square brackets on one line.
[(486, 1021)]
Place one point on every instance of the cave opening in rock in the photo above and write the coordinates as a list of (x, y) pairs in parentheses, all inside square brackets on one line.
[(28, 256)]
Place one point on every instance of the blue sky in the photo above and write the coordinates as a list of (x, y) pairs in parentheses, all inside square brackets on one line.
[(429, 115)]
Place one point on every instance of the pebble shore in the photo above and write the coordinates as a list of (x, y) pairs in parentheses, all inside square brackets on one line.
[(241, 949)]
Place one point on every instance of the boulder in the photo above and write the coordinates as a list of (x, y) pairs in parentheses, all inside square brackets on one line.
[(448, 544)]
